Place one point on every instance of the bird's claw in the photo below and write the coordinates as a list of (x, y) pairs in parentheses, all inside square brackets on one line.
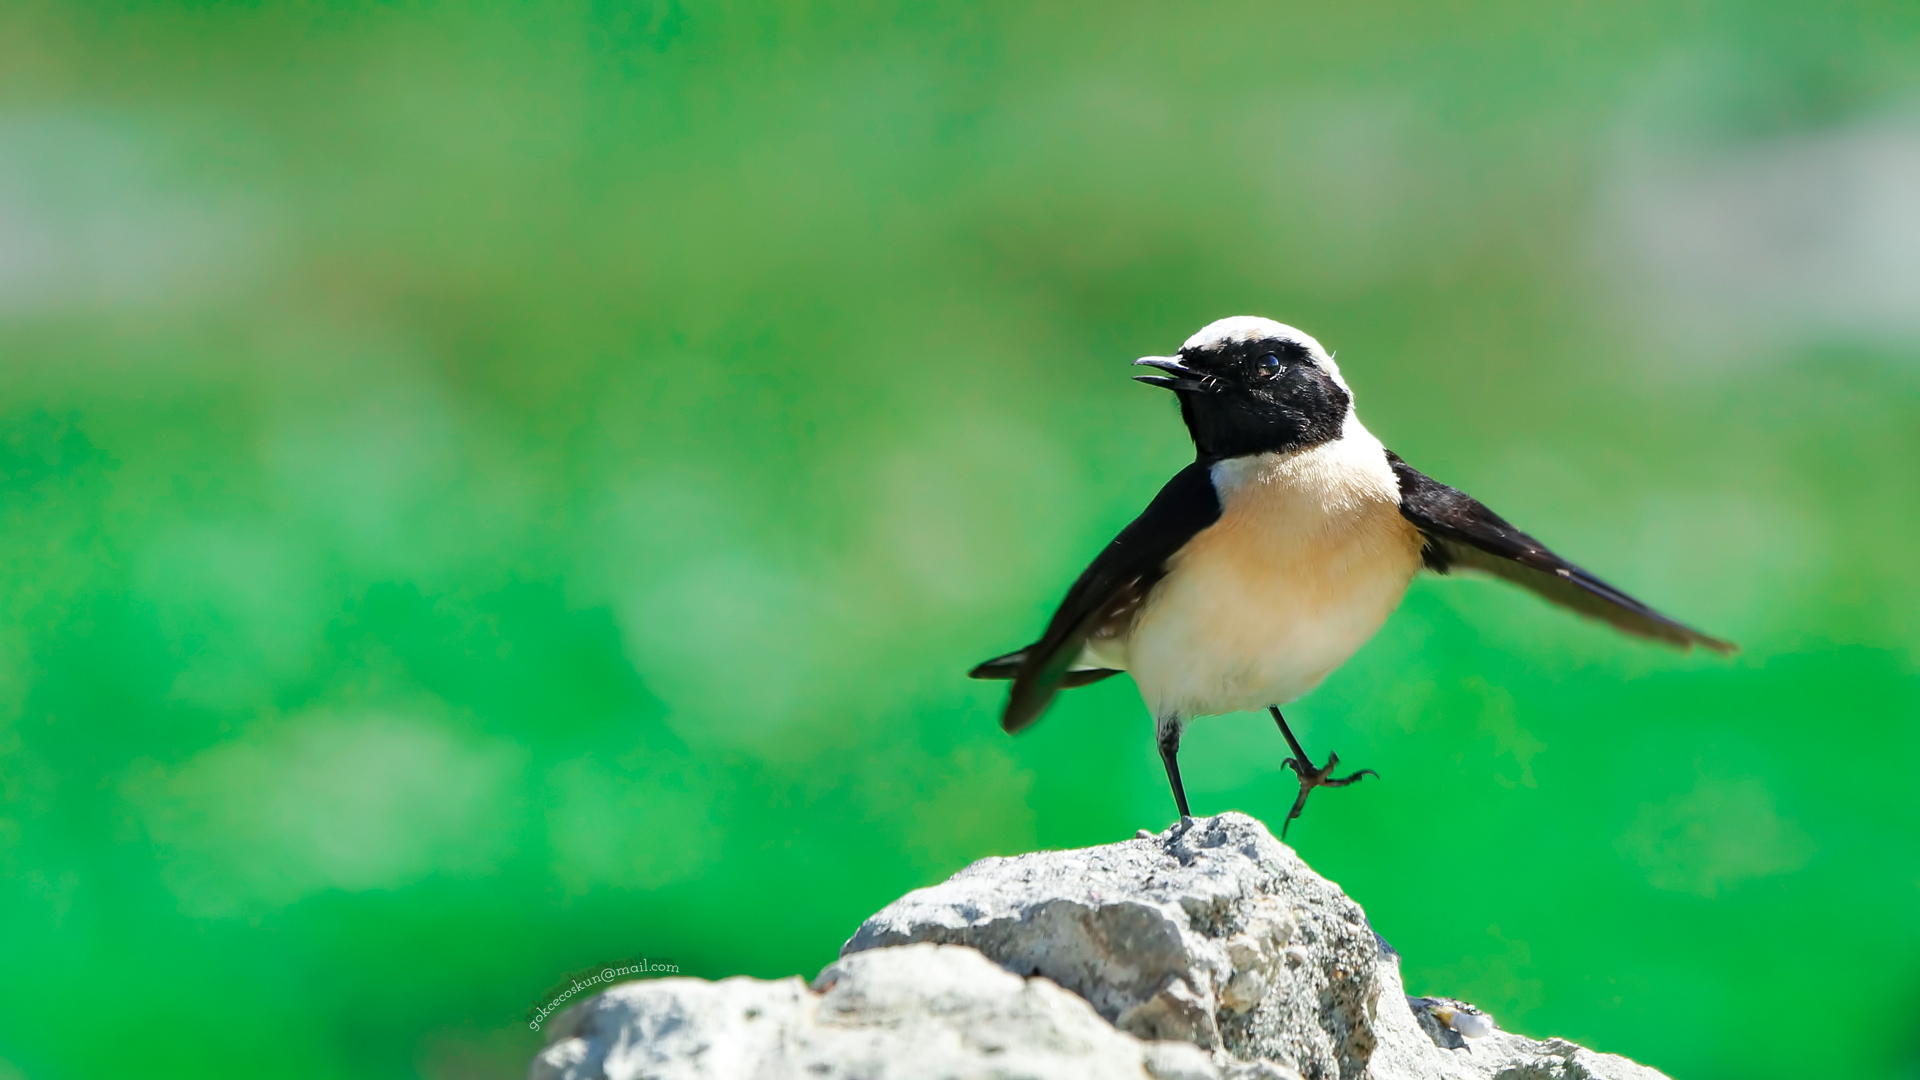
[(1311, 777)]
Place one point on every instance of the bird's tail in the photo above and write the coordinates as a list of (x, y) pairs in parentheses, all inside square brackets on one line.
[(1007, 665)]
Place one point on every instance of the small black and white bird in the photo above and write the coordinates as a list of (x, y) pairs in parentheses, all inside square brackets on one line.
[(1265, 564)]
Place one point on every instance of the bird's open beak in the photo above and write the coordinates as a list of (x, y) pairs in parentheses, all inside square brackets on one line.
[(1184, 377)]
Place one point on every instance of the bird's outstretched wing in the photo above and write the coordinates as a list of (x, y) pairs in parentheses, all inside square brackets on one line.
[(1121, 575), (1462, 533)]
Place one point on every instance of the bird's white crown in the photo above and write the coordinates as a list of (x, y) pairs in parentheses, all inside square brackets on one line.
[(1241, 328)]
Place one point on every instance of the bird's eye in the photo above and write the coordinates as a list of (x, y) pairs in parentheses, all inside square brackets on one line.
[(1269, 363)]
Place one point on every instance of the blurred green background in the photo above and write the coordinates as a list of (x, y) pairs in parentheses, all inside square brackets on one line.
[(489, 488)]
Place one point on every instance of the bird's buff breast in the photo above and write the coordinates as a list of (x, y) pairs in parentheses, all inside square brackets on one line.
[(1308, 559)]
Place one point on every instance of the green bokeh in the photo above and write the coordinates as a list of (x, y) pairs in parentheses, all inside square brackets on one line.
[(491, 488)]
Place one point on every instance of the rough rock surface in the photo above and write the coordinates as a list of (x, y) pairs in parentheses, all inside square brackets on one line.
[(915, 1013), (1210, 950)]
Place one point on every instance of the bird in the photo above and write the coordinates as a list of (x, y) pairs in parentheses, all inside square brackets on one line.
[(1265, 564)]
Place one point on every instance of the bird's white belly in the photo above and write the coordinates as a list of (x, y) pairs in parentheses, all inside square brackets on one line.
[(1308, 559)]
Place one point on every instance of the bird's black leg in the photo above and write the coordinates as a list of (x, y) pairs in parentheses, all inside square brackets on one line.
[(1169, 735), (1310, 777)]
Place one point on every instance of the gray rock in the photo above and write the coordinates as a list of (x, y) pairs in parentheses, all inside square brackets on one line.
[(1218, 934), (1208, 952), (922, 1012)]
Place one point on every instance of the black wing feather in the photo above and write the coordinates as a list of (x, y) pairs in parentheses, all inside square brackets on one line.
[(1123, 572), (1461, 532)]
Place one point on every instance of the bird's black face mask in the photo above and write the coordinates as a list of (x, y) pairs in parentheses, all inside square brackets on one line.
[(1252, 397)]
